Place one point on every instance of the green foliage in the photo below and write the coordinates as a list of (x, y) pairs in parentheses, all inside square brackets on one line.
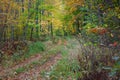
[(59, 32), (102, 59), (65, 68), (89, 25), (19, 70), (60, 71), (30, 24), (115, 70), (45, 19), (36, 47)]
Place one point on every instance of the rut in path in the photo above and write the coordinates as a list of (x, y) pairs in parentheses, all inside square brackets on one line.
[(26, 62), (37, 57), (34, 73)]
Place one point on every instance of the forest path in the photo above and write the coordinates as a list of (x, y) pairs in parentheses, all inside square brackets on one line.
[(5, 72), (33, 73), (38, 63)]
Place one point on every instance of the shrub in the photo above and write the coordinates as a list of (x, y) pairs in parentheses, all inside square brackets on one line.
[(97, 62), (36, 47)]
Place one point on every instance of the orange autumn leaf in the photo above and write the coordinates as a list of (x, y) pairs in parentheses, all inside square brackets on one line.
[(115, 44), (100, 31)]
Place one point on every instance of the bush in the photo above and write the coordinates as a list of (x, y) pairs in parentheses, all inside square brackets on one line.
[(36, 47), (98, 62)]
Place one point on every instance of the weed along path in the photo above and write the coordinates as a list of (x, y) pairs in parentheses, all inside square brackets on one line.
[(31, 68)]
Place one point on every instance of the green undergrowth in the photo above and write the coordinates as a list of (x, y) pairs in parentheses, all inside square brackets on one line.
[(65, 68), (36, 47), (33, 48), (19, 70), (62, 68), (46, 56)]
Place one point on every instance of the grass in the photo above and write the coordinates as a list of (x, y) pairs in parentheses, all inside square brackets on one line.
[(33, 48), (19, 70), (45, 57), (36, 47), (35, 63), (76, 67), (64, 69)]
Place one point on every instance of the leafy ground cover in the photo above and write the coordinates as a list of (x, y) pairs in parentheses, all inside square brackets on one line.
[(66, 59)]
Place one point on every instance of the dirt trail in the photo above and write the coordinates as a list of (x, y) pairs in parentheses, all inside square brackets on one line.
[(6, 72), (37, 57), (34, 73)]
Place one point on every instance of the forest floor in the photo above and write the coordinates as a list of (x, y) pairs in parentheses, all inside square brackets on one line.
[(32, 68)]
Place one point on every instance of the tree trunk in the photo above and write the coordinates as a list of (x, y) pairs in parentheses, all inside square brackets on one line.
[(12, 33), (37, 24), (51, 30), (31, 35), (77, 26)]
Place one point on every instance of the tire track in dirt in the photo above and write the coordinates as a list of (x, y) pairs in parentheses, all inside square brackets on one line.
[(34, 73), (6, 72)]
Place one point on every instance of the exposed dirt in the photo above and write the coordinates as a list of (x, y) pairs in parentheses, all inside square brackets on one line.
[(5, 72), (34, 73)]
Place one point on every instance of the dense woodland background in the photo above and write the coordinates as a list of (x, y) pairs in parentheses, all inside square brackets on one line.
[(30, 19), (25, 24)]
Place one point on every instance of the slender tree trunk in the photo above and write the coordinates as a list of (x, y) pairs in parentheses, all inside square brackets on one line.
[(24, 32), (77, 26), (22, 6), (37, 17), (51, 30), (41, 15), (12, 32), (29, 7), (1, 32), (24, 28), (4, 34), (31, 35), (48, 28)]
